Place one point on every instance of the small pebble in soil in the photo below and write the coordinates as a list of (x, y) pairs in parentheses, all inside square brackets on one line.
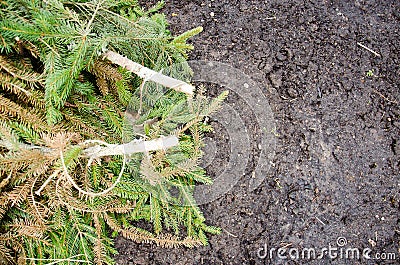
[(276, 80), (292, 92), (281, 57)]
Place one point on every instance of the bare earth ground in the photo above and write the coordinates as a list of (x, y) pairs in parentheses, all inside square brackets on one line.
[(336, 107)]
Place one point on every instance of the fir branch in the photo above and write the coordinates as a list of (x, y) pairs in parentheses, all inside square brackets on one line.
[(13, 85), (139, 235), (98, 246), (27, 76), (4, 182), (181, 39), (5, 253), (76, 203), (28, 117), (18, 194)]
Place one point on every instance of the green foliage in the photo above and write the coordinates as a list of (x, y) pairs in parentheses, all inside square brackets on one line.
[(69, 36), (57, 95)]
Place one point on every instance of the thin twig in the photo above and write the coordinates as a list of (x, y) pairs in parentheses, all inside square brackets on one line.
[(26, 92), (319, 220), (34, 202), (368, 49), (132, 23), (385, 98), (48, 46), (229, 233), (92, 18)]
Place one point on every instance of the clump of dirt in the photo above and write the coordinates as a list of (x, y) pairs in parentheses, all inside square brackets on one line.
[(335, 176)]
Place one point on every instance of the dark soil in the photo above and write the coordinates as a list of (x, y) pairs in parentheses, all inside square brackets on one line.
[(336, 171)]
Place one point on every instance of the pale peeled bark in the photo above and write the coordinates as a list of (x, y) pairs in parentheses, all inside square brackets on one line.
[(149, 74)]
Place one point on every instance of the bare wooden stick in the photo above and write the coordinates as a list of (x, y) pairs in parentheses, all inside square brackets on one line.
[(368, 49), (104, 149), (122, 149), (135, 146), (149, 74), (55, 261)]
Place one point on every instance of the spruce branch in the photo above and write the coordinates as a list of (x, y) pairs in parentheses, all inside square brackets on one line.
[(28, 76), (56, 203), (5, 181), (149, 74)]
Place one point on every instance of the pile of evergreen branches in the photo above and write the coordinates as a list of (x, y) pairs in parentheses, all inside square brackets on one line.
[(90, 146)]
